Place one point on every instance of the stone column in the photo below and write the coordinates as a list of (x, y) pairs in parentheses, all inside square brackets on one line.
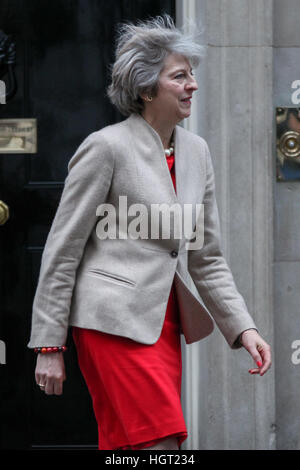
[(226, 407), (287, 237)]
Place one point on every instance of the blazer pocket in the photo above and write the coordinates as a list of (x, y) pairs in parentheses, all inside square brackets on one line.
[(111, 277)]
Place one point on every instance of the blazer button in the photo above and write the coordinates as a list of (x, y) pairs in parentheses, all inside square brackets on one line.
[(174, 254)]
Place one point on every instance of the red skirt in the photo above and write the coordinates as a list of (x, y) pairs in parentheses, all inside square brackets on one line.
[(135, 388)]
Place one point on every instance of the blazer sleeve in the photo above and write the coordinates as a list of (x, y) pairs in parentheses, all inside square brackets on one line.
[(87, 184), (211, 274)]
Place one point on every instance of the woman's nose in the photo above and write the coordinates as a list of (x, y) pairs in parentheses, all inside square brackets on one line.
[(192, 84)]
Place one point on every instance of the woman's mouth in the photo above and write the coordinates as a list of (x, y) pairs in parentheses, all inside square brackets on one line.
[(187, 100)]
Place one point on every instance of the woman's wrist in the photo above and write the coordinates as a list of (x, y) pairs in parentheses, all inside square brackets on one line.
[(241, 335), (50, 349)]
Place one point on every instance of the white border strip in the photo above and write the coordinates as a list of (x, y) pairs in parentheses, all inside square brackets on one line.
[(185, 10)]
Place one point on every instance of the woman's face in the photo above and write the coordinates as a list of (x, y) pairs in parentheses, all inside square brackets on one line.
[(175, 89)]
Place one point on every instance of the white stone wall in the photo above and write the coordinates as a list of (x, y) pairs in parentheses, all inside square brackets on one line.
[(287, 237), (226, 407)]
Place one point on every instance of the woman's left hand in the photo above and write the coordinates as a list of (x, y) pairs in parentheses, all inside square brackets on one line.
[(258, 349)]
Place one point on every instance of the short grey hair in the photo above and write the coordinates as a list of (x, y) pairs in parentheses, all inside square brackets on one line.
[(140, 54)]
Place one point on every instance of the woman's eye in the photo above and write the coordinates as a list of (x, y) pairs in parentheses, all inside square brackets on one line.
[(183, 74)]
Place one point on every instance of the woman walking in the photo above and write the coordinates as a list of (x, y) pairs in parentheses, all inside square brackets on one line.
[(129, 298)]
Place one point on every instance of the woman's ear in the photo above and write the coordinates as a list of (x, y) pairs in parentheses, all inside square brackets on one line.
[(146, 96)]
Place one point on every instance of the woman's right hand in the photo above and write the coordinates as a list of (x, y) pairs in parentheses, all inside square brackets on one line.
[(50, 373)]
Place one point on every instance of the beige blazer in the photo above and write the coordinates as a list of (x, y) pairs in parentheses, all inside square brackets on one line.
[(121, 286)]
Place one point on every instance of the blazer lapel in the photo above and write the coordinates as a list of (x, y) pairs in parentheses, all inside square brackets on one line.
[(154, 174), (148, 146)]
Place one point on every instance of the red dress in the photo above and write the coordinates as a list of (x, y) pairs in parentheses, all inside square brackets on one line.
[(135, 387)]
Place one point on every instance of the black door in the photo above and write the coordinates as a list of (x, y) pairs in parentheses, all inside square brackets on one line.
[(63, 49)]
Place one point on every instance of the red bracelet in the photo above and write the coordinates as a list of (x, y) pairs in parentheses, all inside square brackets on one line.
[(52, 349)]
